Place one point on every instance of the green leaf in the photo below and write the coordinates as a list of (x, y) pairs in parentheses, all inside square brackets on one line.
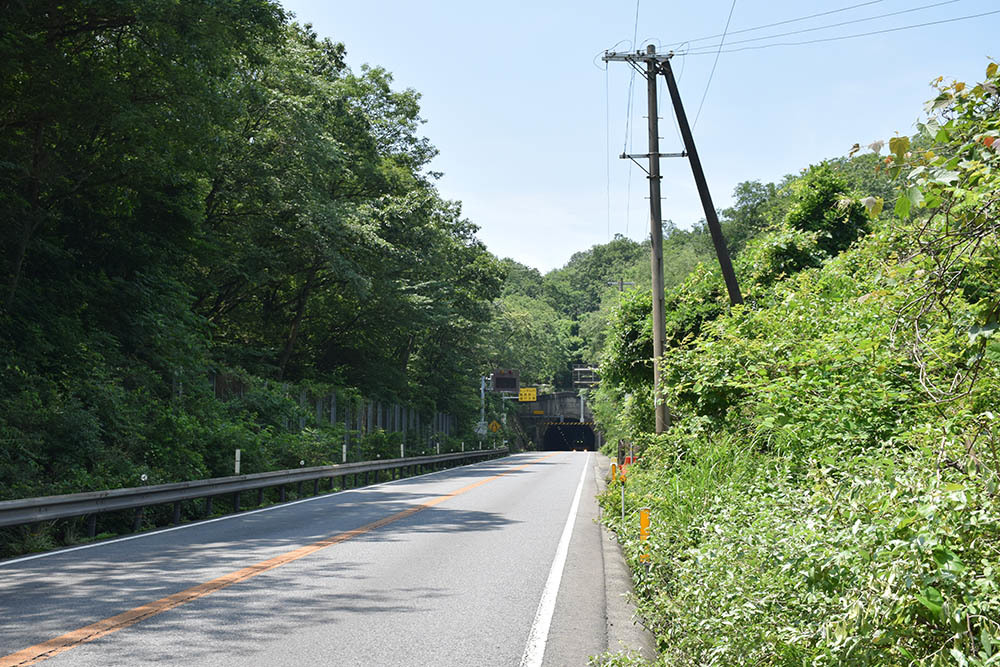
[(984, 331), (946, 177), (907, 520), (915, 196), (932, 599), (948, 560), (899, 145), (902, 209)]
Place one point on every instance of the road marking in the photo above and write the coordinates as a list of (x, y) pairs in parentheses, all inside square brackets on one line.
[(278, 506), (94, 631), (534, 651)]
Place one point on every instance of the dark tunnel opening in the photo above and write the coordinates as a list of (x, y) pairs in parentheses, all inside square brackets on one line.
[(569, 436)]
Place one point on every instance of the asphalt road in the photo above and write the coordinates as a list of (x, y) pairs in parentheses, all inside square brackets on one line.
[(452, 573)]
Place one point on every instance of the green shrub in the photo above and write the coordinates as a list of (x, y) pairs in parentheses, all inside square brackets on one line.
[(829, 492)]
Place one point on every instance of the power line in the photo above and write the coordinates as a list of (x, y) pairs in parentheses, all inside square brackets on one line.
[(631, 82), (785, 22), (628, 122), (628, 113), (680, 77), (635, 28), (707, 49), (712, 73), (628, 187), (854, 36), (607, 145)]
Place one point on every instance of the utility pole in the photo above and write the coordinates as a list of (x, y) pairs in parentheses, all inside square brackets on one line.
[(656, 64), (656, 238), (621, 284), (482, 400), (706, 197)]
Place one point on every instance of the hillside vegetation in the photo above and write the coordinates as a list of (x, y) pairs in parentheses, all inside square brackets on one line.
[(827, 493), (210, 224), (544, 323)]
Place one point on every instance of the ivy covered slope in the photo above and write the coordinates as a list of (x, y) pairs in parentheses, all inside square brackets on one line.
[(203, 188), (828, 491)]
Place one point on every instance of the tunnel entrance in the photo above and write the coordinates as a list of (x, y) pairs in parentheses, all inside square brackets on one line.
[(568, 436)]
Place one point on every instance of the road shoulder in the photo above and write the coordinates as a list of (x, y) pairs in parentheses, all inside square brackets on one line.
[(624, 632)]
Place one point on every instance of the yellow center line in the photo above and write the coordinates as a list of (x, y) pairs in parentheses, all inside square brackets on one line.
[(94, 631)]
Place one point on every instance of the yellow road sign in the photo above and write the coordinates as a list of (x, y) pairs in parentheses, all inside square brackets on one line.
[(527, 395), (494, 426)]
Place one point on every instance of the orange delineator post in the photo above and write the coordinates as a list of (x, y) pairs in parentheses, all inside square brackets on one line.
[(644, 534)]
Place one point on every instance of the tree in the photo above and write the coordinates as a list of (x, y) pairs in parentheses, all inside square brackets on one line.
[(201, 189), (82, 142), (527, 334), (824, 205), (948, 249), (752, 212)]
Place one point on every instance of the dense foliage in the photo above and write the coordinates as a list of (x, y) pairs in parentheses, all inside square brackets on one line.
[(827, 493), (547, 323), (204, 190)]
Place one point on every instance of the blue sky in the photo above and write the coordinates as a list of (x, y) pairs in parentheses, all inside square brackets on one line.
[(519, 104)]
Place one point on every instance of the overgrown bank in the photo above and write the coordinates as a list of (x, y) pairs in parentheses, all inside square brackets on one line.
[(205, 190), (828, 491)]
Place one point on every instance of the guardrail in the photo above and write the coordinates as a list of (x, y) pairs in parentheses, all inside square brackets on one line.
[(92, 503)]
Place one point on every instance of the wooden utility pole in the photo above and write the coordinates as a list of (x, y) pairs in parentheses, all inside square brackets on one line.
[(656, 238), (621, 283), (656, 64)]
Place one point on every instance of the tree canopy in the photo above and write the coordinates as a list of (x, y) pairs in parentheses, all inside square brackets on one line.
[(205, 190)]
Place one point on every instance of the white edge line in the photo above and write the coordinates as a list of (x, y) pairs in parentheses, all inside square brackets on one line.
[(534, 651), (239, 515)]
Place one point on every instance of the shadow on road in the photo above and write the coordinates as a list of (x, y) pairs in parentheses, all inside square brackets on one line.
[(43, 598)]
